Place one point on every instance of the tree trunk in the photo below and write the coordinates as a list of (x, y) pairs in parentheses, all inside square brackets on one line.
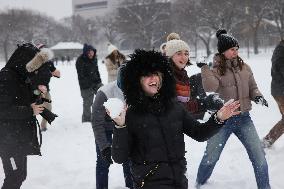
[(207, 44), (255, 41)]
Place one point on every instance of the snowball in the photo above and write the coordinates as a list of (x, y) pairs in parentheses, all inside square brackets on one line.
[(114, 106)]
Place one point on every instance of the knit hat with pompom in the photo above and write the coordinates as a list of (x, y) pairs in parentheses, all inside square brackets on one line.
[(174, 46), (225, 41)]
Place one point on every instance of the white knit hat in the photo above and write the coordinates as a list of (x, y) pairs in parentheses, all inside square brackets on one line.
[(174, 46), (111, 48)]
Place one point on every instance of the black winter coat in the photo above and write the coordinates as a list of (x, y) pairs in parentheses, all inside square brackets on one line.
[(277, 70), (88, 72), (18, 129), (155, 145)]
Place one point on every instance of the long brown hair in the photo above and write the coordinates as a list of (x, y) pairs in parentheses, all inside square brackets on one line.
[(116, 58), (222, 68)]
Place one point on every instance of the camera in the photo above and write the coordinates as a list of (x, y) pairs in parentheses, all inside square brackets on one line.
[(46, 114)]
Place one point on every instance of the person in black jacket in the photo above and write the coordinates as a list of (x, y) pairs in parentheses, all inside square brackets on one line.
[(89, 79), (18, 129), (151, 132), (277, 91), (42, 77)]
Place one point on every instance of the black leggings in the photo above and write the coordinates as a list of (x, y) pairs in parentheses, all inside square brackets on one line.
[(15, 169)]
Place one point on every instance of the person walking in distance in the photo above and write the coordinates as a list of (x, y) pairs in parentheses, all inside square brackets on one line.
[(113, 61), (89, 78)]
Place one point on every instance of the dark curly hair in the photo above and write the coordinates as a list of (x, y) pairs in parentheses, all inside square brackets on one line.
[(222, 68)]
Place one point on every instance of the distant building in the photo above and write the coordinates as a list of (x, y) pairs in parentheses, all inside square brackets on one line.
[(95, 8)]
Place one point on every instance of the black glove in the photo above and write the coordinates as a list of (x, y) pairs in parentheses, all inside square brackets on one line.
[(200, 64), (260, 100), (106, 155), (213, 102)]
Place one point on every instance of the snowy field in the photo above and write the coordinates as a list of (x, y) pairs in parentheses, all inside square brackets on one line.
[(69, 156)]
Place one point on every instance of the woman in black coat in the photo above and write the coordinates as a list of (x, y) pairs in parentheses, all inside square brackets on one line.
[(151, 134), (18, 130)]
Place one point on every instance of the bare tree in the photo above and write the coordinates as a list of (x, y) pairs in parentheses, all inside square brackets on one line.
[(255, 11), (25, 25), (12, 27), (276, 13), (108, 26), (143, 22), (202, 18), (83, 30)]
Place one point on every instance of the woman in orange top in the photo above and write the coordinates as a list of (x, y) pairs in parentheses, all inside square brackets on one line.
[(189, 90)]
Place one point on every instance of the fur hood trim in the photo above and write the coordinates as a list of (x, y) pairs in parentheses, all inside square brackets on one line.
[(40, 58), (143, 63)]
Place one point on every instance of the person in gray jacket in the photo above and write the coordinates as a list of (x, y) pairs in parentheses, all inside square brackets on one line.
[(103, 130), (277, 91)]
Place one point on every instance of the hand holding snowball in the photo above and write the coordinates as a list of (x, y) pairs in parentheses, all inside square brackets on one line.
[(116, 110)]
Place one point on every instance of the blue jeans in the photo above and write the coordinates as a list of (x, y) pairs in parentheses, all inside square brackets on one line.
[(102, 169), (243, 127)]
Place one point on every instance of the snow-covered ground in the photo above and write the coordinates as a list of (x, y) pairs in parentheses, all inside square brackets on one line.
[(68, 150)]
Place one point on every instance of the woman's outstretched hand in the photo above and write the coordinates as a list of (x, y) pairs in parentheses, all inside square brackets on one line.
[(228, 110)]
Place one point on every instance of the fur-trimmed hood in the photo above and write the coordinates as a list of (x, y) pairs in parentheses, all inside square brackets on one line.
[(143, 63), (27, 58), (39, 59)]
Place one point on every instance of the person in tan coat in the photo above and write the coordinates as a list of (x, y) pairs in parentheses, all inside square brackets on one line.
[(112, 61), (233, 79)]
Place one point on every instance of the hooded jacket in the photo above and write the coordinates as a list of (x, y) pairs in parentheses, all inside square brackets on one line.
[(87, 69), (18, 129), (153, 138)]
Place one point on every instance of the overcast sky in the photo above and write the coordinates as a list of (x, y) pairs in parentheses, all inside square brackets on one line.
[(55, 8)]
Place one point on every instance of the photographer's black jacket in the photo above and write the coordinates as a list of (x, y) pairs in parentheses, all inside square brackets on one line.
[(18, 130)]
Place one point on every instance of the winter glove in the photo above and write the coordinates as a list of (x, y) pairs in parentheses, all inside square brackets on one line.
[(260, 100), (106, 155), (200, 64), (213, 102)]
